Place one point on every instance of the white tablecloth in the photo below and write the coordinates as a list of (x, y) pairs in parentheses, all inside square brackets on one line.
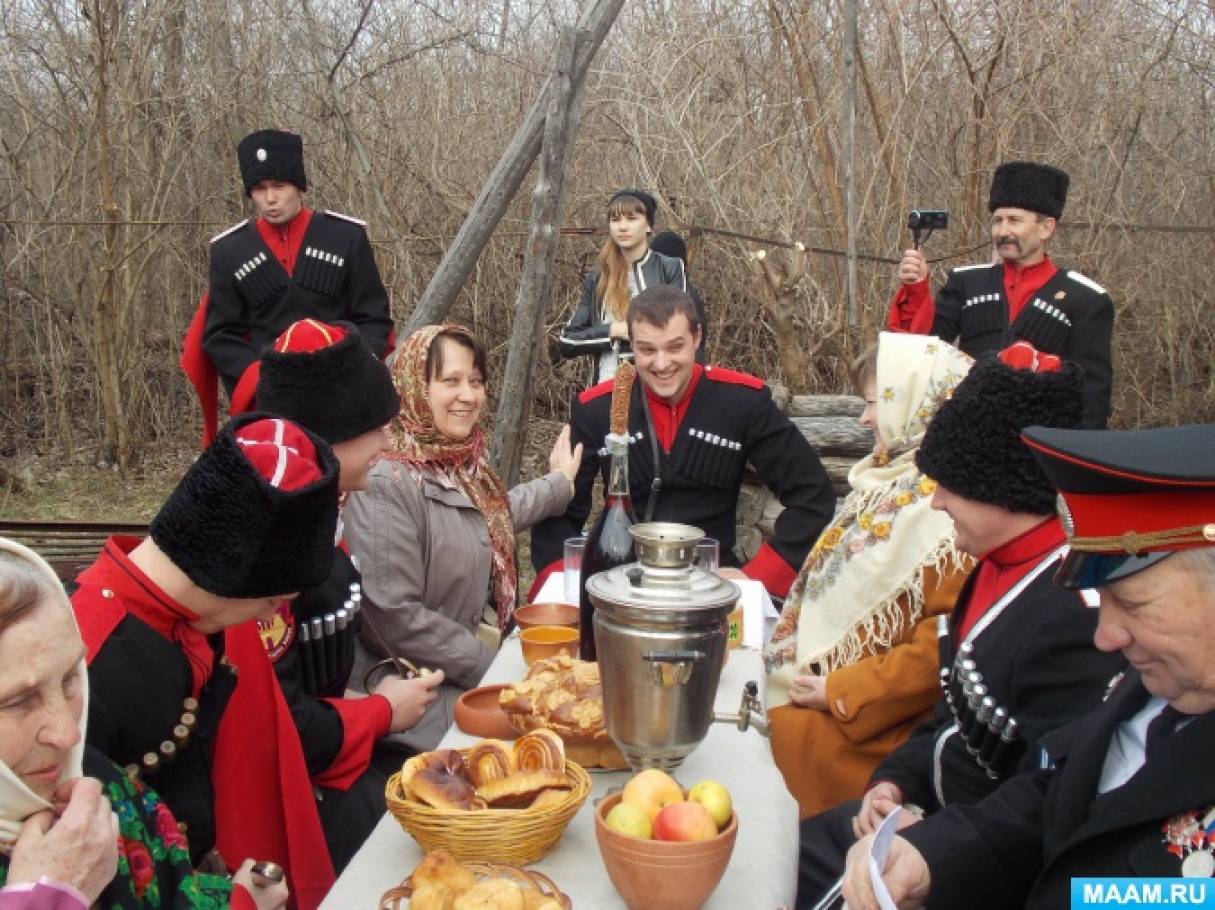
[(762, 874)]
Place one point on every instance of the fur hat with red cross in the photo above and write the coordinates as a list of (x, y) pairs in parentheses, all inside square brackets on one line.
[(256, 513), (324, 377), (1128, 498), (973, 445)]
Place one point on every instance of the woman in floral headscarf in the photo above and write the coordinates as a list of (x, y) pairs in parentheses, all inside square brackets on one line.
[(852, 662), (434, 532)]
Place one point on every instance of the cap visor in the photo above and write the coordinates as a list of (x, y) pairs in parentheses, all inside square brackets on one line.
[(1092, 570)]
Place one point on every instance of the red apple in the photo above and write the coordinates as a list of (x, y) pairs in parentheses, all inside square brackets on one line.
[(684, 821), (652, 789)]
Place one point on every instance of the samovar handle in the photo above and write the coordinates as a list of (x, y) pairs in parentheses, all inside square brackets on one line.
[(671, 668)]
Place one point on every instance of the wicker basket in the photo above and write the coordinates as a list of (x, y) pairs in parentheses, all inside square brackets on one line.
[(393, 898), (489, 835)]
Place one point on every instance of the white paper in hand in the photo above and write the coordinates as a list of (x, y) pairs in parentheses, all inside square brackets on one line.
[(879, 849)]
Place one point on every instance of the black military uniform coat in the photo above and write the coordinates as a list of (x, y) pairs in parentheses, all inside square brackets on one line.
[(252, 298), (138, 682), (1022, 846), (1038, 662), (730, 420), (348, 813), (1071, 316)]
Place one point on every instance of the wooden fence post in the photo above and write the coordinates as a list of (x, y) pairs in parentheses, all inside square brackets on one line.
[(505, 179), (560, 128)]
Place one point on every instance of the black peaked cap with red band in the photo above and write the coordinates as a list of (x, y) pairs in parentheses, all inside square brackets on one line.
[(256, 514), (1128, 498), (324, 377)]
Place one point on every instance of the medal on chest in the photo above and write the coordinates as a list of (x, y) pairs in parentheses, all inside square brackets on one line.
[(1190, 836)]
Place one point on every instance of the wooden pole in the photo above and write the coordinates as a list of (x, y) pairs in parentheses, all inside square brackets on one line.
[(850, 51), (560, 128), (506, 178)]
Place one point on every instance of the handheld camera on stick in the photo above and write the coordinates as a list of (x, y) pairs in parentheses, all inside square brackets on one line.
[(923, 222)]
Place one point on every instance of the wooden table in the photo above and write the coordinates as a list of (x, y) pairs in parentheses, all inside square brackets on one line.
[(762, 874)]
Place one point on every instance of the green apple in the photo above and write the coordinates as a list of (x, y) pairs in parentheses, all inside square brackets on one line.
[(630, 819), (715, 798)]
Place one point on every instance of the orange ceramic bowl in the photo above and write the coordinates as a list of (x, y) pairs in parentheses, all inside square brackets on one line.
[(539, 642), (478, 713), (674, 875), (547, 614)]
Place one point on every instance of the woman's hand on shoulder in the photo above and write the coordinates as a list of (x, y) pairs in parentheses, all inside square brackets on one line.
[(77, 848), (809, 692), (564, 459)]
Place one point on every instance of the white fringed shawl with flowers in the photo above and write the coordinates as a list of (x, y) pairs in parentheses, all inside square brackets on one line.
[(862, 585)]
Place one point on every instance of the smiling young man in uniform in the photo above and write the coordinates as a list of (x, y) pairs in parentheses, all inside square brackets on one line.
[(692, 429)]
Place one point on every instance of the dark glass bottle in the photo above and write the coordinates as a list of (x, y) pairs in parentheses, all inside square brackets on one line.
[(609, 544)]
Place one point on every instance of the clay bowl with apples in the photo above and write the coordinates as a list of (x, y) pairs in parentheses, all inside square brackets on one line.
[(672, 874)]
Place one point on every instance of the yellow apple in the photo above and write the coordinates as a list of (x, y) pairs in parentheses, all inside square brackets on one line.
[(630, 819), (714, 797), (684, 821), (652, 790)]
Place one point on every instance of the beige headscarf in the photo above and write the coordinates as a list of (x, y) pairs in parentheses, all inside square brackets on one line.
[(845, 603), (17, 801), (457, 464)]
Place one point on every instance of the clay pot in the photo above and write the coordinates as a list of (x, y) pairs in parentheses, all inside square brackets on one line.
[(547, 614), (547, 641), (674, 875), (478, 713)]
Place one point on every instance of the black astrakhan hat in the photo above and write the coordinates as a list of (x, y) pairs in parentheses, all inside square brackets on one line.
[(325, 378), (256, 514), (271, 155), (648, 202), (1128, 498), (1027, 185), (973, 445)]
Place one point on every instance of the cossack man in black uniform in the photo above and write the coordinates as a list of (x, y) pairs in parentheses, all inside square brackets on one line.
[(324, 378), (1129, 792), (289, 263), (180, 687), (1023, 295), (1017, 657), (692, 429)]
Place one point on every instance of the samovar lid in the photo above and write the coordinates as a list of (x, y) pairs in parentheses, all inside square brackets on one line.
[(664, 576)]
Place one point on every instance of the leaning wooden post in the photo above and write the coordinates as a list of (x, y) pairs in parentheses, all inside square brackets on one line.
[(560, 128), (505, 180)]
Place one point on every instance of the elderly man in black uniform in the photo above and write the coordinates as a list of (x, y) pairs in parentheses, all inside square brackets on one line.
[(692, 429), (289, 263), (1017, 658), (1129, 792), (1022, 295)]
